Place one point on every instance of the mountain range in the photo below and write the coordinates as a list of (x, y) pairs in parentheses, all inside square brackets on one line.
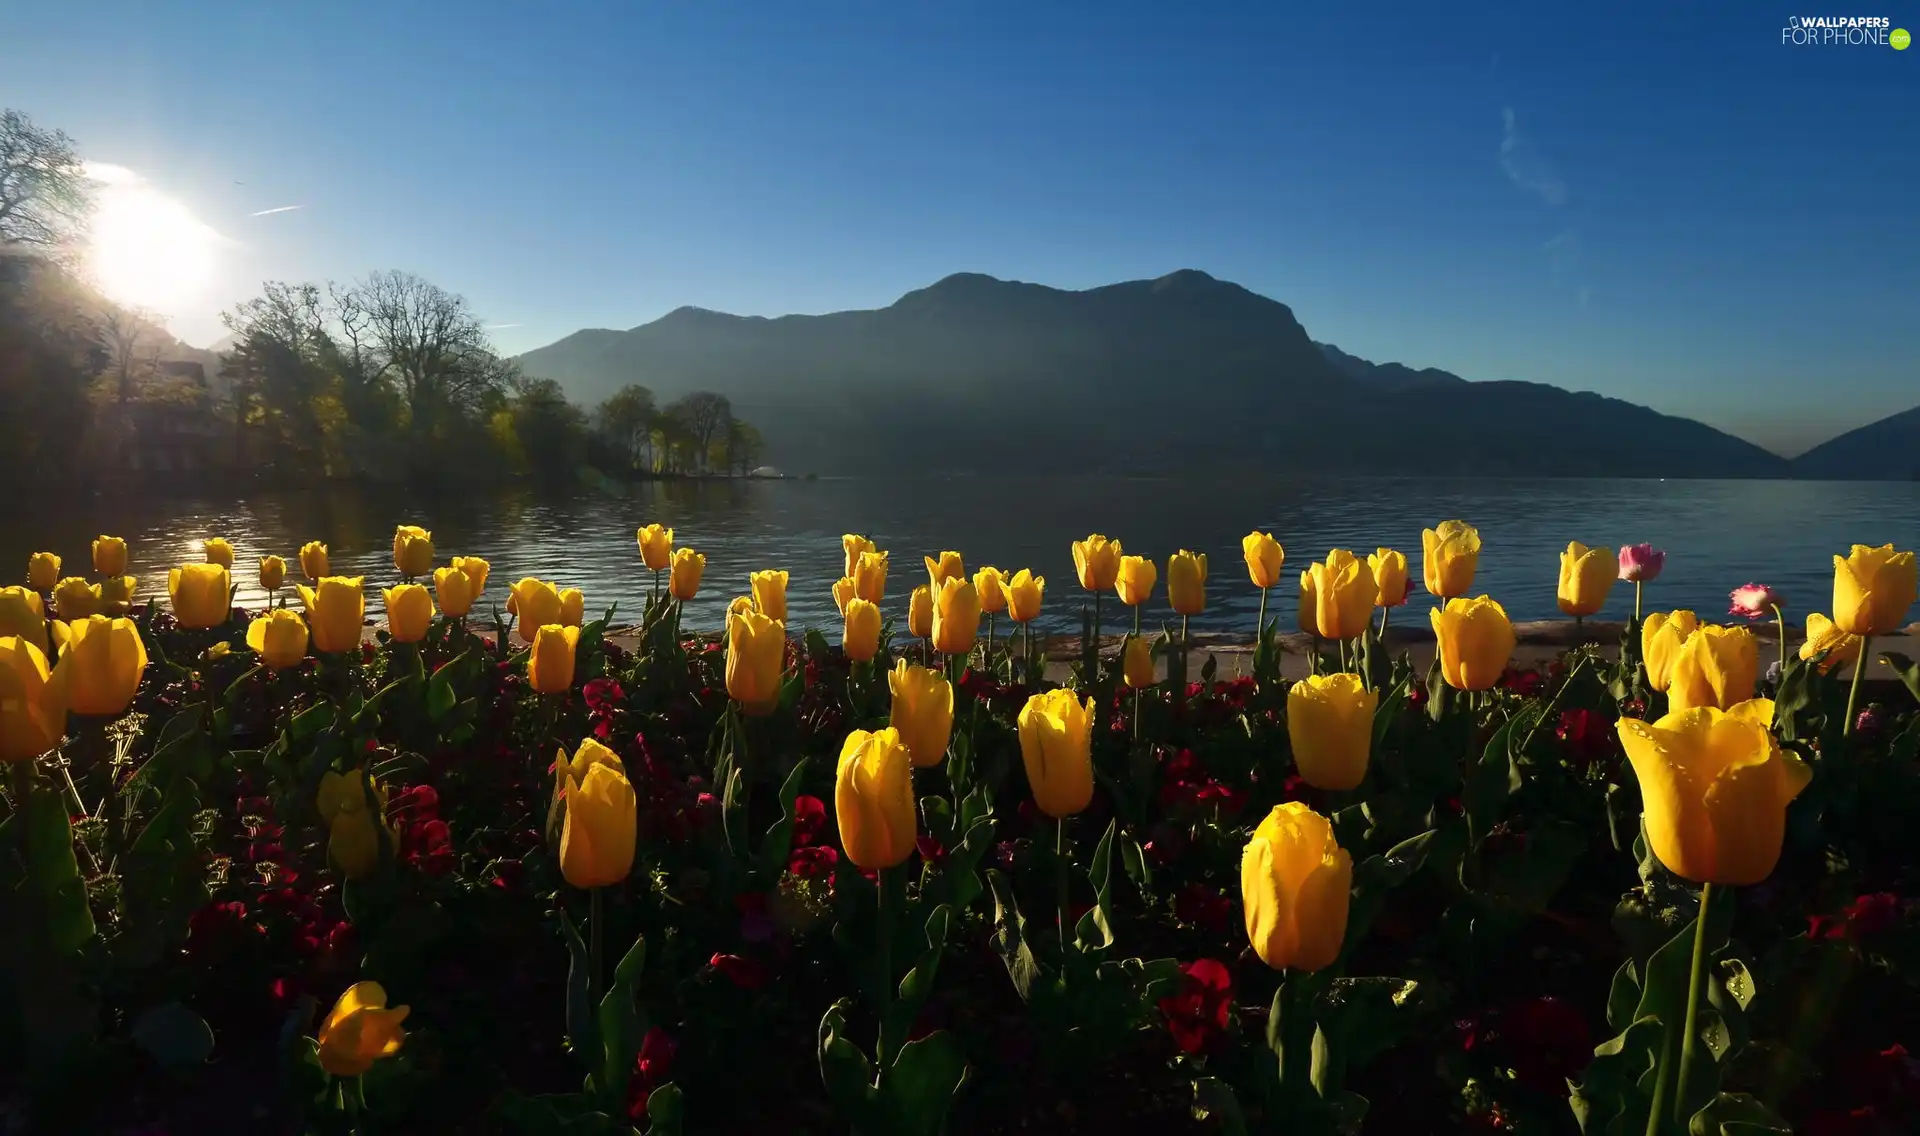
[(1182, 373)]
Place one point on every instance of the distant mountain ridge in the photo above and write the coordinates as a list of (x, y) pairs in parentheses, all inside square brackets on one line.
[(1887, 450), (1180, 373)]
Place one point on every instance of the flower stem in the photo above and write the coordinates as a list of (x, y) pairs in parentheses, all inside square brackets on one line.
[(1060, 880), (1637, 585), (595, 917), (1780, 622), (1385, 614), (1694, 983), (1853, 692), (1096, 636), (893, 889), (1260, 621)]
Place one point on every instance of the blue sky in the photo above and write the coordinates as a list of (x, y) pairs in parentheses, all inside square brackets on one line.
[(1662, 203)]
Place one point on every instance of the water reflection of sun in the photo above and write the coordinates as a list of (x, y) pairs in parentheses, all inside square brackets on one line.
[(145, 249)]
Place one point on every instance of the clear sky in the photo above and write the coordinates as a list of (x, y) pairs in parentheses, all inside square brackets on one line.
[(1660, 202)]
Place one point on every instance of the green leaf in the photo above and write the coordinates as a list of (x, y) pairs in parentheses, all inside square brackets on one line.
[(1489, 783), (666, 1107), (1134, 859), (582, 1031), (918, 984), (779, 839), (173, 1035), (1608, 1098), (1907, 669), (1388, 713), (441, 697), (54, 874), (1213, 1099), (1375, 877), (917, 1091), (1736, 1114), (621, 1027), (1095, 930), (844, 1069), (1364, 1017), (1010, 936), (1624, 996)]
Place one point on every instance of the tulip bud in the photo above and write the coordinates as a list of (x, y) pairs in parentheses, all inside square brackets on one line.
[(1097, 562), (413, 551), (116, 594), (860, 638), (1824, 637), (550, 664), (1714, 787), (1187, 582), (873, 799), (354, 824), (756, 659), (1056, 745), (1389, 570), (1344, 595), (1135, 579), (1450, 555), (100, 668), (1754, 601), (279, 638), (948, 567), (1716, 666), (360, 1030), (1136, 663), (109, 556), (1641, 563), (770, 593), (920, 612), (1475, 639), (22, 613), (870, 577), (313, 561), (922, 711), (573, 607), (201, 595), (1308, 611), (1586, 576), (656, 547), (740, 605), (43, 571), (535, 603), (843, 593), (1330, 723), (684, 579), (336, 611), (1024, 593), (1661, 637), (273, 572), (409, 612), (597, 838), (990, 583), (75, 599), (219, 551), (476, 570), (1264, 558), (1294, 881), (31, 721), (956, 616), (455, 590), (856, 547), (1872, 589)]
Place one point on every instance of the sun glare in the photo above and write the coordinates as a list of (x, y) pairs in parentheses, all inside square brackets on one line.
[(147, 250)]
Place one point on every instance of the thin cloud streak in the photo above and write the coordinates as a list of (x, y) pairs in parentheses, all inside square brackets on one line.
[(501, 326), (1524, 166), (276, 209)]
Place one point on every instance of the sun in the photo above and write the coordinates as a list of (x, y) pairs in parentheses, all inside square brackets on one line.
[(145, 249)]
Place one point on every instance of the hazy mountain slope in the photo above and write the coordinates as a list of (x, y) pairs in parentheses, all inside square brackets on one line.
[(1885, 450)]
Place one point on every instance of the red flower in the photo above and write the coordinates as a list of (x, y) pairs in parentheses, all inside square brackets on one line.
[(809, 820), (603, 695), (931, 850), (1866, 915), (1544, 1040), (652, 1068), (813, 862), (745, 973), (216, 927), (1588, 736), (1524, 683), (1198, 1013)]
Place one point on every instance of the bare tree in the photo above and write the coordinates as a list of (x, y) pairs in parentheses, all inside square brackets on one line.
[(626, 420), (133, 343), (44, 196), (745, 447), (704, 416), (429, 343)]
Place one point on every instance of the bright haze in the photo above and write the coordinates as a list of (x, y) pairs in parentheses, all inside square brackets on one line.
[(1663, 203)]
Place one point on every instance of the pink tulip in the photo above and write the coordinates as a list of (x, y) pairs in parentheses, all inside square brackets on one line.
[(1755, 601), (1641, 562)]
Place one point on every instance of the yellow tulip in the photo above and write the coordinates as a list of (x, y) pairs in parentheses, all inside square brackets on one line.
[(360, 1030), (656, 547), (856, 547), (550, 664), (1714, 787), (273, 572), (109, 556), (1097, 562), (948, 567), (1308, 611), (1024, 593), (22, 613), (455, 590), (870, 577), (409, 612), (336, 610), (844, 593), (74, 598), (922, 711), (1264, 558), (116, 594), (476, 570), (1661, 637), (413, 551), (1450, 556), (873, 799), (279, 637), (573, 607), (1823, 635), (860, 638), (219, 551), (1389, 570), (1137, 663), (31, 722), (597, 837), (770, 593), (200, 594), (313, 561), (756, 658), (1330, 723), (1187, 582), (1717, 666), (1475, 639), (684, 579), (1343, 594), (990, 583), (1056, 746), (1872, 589), (354, 825), (43, 571), (1586, 576), (740, 605), (920, 612), (1294, 881), (570, 772), (956, 616), (99, 669), (535, 603), (1135, 579)]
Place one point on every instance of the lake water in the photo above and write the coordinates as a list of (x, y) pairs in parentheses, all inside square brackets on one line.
[(1718, 534)]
